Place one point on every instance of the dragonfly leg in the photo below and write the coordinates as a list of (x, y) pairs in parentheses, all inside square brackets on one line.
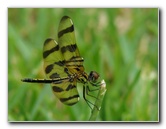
[(97, 84), (91, 90), (85, 92)]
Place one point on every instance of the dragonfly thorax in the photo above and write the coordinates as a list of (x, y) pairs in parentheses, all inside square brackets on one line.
[(82, 77)]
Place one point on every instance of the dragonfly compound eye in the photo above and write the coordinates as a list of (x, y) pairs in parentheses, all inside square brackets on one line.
[(93, 76)]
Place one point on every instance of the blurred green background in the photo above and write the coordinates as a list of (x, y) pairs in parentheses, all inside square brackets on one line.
[(121, 44)]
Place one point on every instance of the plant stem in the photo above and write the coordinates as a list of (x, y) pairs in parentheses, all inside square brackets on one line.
[(97, 107)]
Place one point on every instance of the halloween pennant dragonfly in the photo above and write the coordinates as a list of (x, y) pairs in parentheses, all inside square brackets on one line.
[(63, 65)]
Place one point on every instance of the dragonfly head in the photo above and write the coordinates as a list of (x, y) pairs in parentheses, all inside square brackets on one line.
[(93, 76)]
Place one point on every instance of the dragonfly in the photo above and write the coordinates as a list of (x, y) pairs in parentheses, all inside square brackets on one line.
[(63, 66)]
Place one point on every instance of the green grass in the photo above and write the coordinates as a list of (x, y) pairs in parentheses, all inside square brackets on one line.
[(120, 44)]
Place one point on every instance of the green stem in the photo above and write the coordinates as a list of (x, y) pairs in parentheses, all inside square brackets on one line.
[(97, 107)]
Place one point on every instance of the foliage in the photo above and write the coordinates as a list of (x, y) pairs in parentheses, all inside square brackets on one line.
[(120, 44)]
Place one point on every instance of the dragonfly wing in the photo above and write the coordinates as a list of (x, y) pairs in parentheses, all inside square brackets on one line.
[(68, 46)]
